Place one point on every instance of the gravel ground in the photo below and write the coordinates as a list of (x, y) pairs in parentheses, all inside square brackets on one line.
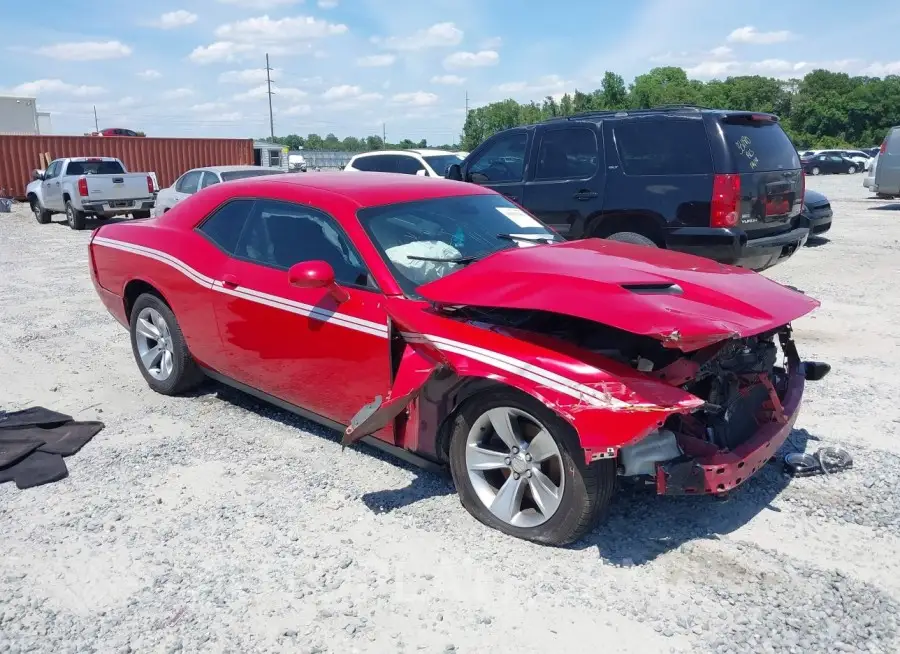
[(214, 524)]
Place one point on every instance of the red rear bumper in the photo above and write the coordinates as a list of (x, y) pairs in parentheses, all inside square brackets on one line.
[(721, 472)]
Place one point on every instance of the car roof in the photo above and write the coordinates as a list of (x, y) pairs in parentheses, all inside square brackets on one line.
[(228, 169), (369, 190), (418, 151)]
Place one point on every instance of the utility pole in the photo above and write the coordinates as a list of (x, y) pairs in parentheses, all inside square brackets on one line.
[(467, 104), (96, 122), (383, 136), (269, 93)]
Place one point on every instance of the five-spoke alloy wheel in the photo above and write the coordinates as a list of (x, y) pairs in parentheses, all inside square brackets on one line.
[(519, 467)]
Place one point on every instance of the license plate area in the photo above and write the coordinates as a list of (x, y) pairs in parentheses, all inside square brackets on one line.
[(121, 204)]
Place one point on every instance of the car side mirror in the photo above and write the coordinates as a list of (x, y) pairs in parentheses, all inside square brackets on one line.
[(37, 174), (454, 172), (316, 274), (421, 173)]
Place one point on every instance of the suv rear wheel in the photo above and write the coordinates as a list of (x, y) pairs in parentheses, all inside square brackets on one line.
[(633, 238)]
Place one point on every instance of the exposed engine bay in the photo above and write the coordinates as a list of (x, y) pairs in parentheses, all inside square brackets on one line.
[(740, 380)]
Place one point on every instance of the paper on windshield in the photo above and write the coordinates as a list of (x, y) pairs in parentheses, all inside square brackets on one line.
[(519, 217), (422, 272)]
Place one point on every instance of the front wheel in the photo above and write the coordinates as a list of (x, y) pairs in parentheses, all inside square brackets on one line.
[(40, 214), (76, 219), (815, 170), (160, 349), (851, 170), (518, 467)]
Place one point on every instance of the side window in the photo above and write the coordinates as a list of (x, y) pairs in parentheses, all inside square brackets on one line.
[(836, 158), (189, 182), (280, 234), (502, 161), (366, 163), (224, 226), (209, 179), (568, 154), (408, 165), (663, 147), (53, 169), (383, 163)]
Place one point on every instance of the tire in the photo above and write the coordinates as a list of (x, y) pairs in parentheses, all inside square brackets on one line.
[(181, 373), (851, 170), (76, 219), (582, 492), (633, 238), (140, 214), (40, 214), (815, 170)]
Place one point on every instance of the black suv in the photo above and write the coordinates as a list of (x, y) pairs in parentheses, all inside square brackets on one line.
[(726, 185)]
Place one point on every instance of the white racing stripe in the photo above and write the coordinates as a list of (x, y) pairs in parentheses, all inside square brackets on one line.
[(340, 319)]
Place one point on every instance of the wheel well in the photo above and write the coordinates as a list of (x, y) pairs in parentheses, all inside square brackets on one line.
[(442, 400), (31, 197), (66, 197), (638, 223), (134, 289)]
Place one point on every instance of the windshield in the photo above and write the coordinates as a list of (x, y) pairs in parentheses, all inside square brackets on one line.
[(241, 174), (421, 241), (94, 168), (441, 162)]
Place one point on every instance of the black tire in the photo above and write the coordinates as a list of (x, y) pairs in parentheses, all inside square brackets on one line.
[(815, 170), (76, 219), (186, 374), (587, 491), (851, 170), (40, 214), (633, 238), (140, 214)]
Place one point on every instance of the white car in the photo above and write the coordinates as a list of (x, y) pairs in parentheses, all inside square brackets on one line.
[(422, 162), (199, 178)]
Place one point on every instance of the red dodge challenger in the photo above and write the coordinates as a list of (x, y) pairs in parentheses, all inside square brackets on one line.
[(439, 321)]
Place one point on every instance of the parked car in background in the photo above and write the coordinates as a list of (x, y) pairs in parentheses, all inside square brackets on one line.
[(199, 178), (426, 163), (81, 187), (296, 163), (872, 152), (117, 131), (869, 180), (886, 183), (816, 213), (380, 306), (829, 164), (860, 158), (721, 184)]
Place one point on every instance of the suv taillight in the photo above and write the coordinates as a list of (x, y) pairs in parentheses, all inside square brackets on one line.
[(802, 185), (149, 185), (883, 147), (726, 201), (82, 187)]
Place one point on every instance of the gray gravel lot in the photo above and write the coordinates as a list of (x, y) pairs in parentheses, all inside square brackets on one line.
[(212, 523)]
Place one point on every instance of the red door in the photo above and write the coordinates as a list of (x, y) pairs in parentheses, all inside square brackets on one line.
[(301, 345)]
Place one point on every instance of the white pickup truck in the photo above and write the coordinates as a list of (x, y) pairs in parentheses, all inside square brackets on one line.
[(89, 186)]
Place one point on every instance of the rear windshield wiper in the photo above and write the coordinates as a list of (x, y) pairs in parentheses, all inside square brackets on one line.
[(459, 260), (526, 237)]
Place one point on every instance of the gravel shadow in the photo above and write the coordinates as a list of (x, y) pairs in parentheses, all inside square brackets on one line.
[(894, 206), (641, 525), (817, 241)]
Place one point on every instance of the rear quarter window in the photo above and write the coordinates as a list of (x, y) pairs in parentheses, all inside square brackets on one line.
[(663, 147), (758, 147)]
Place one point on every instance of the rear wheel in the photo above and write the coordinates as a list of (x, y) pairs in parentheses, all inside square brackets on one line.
[(40, 214), (76, 219), (159, 347), (518, 468), (815, 170), (633, 238), (851, 169)]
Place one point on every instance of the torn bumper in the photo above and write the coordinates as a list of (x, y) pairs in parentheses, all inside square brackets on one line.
[(722, 472)]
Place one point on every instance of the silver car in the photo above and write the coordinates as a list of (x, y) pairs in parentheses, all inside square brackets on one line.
[(886, 182), (199, 178)]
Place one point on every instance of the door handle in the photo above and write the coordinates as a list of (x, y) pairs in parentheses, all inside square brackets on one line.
[(585, 195), (229, 281)]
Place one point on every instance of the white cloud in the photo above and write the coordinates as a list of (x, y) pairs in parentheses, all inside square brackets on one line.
[(177, 94), (149, 74), (492, 43), (374, 61), (416, 99), (448, 80), (295, 110), (266, 30), (247, 76), (750, 34), (721, 51), (471, 59), (878, 69), (174, 19), (342, 92), (86, 50), (347, 96), (221, 51), (43, 87), (437, 36), (259, 92), (770, 67), (261, 4), (327, 4), (546, 85), (208, 107)]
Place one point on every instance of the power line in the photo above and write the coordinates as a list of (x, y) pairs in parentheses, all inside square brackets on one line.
[(269, 93)]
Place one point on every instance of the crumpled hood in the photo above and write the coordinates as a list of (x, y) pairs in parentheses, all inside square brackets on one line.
[(685, 301)]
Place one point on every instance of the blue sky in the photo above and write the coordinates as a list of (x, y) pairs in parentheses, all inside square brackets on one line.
[(195, 67)]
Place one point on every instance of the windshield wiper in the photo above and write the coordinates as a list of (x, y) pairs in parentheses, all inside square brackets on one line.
[(459, 260), (526, 237)]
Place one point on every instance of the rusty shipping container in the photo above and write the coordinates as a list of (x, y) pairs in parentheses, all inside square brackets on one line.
[(167, 157)]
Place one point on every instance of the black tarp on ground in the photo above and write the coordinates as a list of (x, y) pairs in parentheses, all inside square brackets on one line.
[(34, 441)]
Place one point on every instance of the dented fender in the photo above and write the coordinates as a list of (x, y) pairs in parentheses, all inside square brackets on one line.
[(607, 409)]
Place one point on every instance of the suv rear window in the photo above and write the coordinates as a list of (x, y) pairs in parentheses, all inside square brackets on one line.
[(94, 168), (760, 146), (663, 147)]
